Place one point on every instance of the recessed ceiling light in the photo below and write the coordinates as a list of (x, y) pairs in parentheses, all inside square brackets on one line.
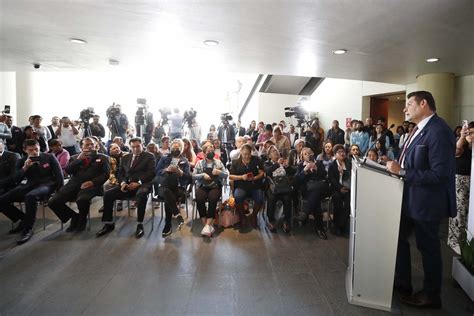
[(339, 51), (77, 41), (113, 62), (432, 60), (211, 43)]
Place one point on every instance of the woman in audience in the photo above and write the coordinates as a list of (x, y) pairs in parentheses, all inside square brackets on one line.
[(379, 135), (212, 132), (165, 146), (210, 175), (458, 224), (311, 175), (188, 152), (263, 151), (384, 154), (252, 131), (62, 155), (278, 171), (327, 155), (153, 149), (220, 151), (354, 151), (29, 133), (282, 143), (340, 180), (373, 155), (247, 173), (197, 149)]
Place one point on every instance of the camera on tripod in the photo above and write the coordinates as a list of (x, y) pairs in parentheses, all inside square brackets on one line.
[(113, 110), (140, 114), (301, 115), (226, 117), (86, 115), (189, 116)]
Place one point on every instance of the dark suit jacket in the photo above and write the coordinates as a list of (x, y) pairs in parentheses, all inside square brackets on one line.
[(8, 168), (95, 168), (333, 175), (46, 172), (143, 171), (429, 192)]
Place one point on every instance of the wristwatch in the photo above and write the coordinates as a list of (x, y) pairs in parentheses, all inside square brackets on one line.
[(402, 172)]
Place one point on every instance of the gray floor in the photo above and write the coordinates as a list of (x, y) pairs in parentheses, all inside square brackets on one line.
[(248, 274)]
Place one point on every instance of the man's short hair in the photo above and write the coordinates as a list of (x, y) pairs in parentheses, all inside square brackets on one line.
[(269, 127), (34, 117), (424, 95), (30, 142), (135, 139)]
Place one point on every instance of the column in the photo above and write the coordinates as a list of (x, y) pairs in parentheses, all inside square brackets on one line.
[(441, 86), (24, 98)]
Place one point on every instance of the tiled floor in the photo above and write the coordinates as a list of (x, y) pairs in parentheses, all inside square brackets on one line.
[(246, 274)]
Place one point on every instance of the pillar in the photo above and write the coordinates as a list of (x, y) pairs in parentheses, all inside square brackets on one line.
[(24, 98), (441, 86)]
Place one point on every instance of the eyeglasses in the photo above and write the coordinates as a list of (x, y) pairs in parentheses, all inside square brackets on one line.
[(340, 152)]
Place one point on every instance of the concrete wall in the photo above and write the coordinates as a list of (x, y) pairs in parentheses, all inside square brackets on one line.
[(463, 99), (8, 91)]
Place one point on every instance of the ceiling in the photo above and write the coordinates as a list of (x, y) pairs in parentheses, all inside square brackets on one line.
[(387, 40)]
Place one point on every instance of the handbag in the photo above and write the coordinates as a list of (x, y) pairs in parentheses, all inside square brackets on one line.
[(280, 185)]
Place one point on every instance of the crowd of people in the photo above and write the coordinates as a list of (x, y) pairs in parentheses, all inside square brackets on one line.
[(262, 164)]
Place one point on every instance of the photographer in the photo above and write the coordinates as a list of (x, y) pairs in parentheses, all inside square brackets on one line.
[(176, 122), (193, 131), (89, 170), (117, 121), (226, 133), (144, 124), (96, 128), (158, 133)]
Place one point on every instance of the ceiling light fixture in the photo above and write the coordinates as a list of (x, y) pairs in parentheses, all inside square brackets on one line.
[(432, 60), (77, 41), (339, 51), (211, 43), (113, 62)]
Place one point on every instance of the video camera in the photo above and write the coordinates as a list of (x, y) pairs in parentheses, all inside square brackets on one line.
[(164, 112), (113, 110), (226, 117), (86, 114), (302, 116), (189, 116)]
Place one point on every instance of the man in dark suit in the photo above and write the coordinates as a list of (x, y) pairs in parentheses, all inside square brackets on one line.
[(89, 170), (427, 163), (335, 134), (293, 136), (135, 175), (43, 175), (8, 168)]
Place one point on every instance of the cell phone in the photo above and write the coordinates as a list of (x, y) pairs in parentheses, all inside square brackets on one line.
[(34, 158), (6, 109), (465, 124)]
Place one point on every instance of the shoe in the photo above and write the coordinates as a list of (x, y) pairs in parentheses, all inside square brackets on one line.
[(101, 209), (166, 230), (212, 230), (140, 232), (421, 300), (18, 229), (73, 226), (25, 236), (321, 233), (271, 227), (286, 228), (206, 231), (105, 230), (180, 220)]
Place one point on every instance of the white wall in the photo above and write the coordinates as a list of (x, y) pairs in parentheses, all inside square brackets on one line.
[(271, 106), (8, 91)]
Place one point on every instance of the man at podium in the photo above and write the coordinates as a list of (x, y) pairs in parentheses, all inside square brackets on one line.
[(427, 163)]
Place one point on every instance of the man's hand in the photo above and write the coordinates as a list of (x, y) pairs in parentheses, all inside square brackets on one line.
[(124, 187), (393, 167), (28, 163), (133, 186), (172, 168), (216, 172), (87, 184)]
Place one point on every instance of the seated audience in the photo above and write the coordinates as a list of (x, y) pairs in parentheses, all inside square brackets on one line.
[(247, 173), (29, 133), (327, 156), (135, 175), (340, 179), (373, 155), (43, 175), (88, 170), (165, 146), (278, 171), (172, 178), (188, 152), (152, 148), (210, 175), (282, 143), (62, 155), (8, 168), (311, 176)]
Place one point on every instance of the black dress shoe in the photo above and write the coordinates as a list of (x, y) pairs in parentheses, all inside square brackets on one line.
[(402, 289), (421, 300), (180, 220), (25, 236), (18, 229), (167, 230), (140, 232), (105, 230), (73, 226), (321, 233)]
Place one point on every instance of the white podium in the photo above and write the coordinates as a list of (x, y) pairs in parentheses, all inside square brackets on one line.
[(376, 199)]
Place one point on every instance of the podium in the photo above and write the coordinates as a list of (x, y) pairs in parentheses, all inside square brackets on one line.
[(376, 199)]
